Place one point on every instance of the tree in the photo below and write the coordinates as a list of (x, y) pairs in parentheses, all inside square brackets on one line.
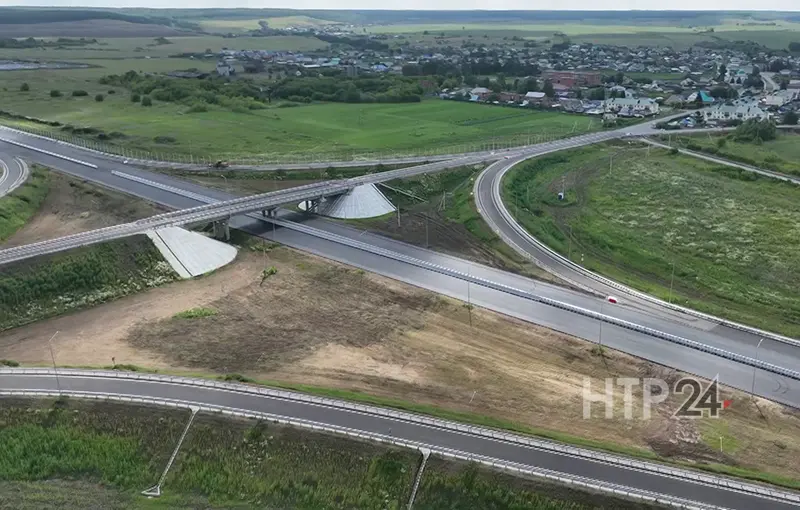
[(794, 46), (790, 118), (548, 89), (24, 87), (784, 84), (146, 101), (619, 78), (135, 98), (55, 93), (597, 93), (722, 72), (99, 98)]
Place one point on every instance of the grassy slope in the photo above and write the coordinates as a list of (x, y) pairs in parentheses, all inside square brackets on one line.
[(449, 485), (733, 238), (37, 288), (17, 207), (109, 452), (781, 154)]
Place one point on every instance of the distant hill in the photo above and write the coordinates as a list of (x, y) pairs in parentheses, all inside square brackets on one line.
[(674, 18), (35, 16)]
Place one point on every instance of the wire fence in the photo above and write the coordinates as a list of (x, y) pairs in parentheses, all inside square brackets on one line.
[(305, 157)]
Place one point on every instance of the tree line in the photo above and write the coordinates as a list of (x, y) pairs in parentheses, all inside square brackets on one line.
[(246, 94)]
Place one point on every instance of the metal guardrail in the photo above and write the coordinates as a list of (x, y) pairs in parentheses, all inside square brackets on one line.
[(739, 358), (526, 441), (498, 202), (448, 453)]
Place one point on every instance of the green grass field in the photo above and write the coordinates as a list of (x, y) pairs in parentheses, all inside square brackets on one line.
[(781, 154), (732, 237), (334, 130), (17, 207), (68, 453), (141, 47)]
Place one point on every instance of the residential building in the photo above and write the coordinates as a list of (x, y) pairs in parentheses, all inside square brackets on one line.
[(704, 97), (628, 107), (729, 112), (225, 69), (572, 79)]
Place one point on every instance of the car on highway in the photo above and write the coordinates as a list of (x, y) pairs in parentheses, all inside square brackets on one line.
[(612, 299)]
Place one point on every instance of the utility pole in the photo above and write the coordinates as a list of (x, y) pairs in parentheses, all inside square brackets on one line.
[(671, 282), (53, 357), (600, 339), (753, 386), (427, 244), (469, 297)]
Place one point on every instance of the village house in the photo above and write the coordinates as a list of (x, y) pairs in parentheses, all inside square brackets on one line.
[(626, 106), (728, 112)]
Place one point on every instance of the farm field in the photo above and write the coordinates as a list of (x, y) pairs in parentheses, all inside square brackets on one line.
[(732, 238), (67, 453), (332, 130), (147, 47), (679, 37), (781, 154)]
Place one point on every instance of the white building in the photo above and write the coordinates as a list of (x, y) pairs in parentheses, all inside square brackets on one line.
[(636, 106), (780, 97), (727, 112), (225, 69)]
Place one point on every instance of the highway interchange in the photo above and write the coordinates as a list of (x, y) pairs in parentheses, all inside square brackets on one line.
[(635, 310)]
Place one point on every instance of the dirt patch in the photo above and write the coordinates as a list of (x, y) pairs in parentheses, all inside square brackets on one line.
[(94, 336), (287, 317), (74, 206), (321, 323)]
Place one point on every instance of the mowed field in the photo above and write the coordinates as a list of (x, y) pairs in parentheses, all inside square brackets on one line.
[(733, 238), (333, 130), (777, 36)]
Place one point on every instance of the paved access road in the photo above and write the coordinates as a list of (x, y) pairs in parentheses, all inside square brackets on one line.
[(398, 427), (13, 173), (740, 376)]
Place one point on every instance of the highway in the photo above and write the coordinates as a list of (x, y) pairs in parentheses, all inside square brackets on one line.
[(411, 429), (768, 385)]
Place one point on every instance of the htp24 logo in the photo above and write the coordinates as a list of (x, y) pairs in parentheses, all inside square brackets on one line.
[(702, 399)]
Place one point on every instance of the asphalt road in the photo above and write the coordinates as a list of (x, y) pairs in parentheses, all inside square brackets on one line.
[(403, 430), (12, 174), (733, 374), (665, 353)]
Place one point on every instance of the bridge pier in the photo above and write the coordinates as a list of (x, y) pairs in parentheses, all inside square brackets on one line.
[(222, 230), (269, 213)]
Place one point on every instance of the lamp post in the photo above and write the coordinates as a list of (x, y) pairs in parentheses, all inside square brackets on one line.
[(753, 386), (53, 357)]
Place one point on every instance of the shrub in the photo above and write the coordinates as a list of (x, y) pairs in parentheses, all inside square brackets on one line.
[(99, 98), (24, 87), (55, 93), (8, 363), (135, 98), (164, 139), (79, 93), (146, 101), (198, 108), (112, 91)]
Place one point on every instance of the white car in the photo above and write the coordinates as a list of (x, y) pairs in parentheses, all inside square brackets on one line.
[(125, 162), (506, 157)]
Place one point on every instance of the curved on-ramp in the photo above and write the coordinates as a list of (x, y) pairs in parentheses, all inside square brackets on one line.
[(13, 172), (489, 202), (582, 468)]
